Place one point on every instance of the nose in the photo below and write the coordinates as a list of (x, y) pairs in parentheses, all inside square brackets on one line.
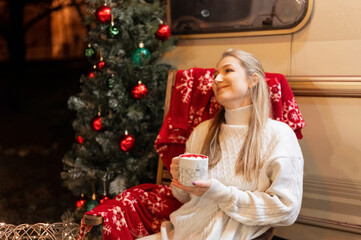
[(218, 79)]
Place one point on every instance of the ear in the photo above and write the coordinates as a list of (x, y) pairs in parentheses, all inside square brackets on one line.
[(253, 80)]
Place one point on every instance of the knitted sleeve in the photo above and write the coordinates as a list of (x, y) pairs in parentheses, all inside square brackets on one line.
[(180, 195), (277, 201)]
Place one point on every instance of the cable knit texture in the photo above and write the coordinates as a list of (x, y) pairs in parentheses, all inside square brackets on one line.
[(234, 208)]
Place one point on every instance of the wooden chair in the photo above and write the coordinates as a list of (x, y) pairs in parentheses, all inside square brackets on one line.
[(163, 176), (268, 235)]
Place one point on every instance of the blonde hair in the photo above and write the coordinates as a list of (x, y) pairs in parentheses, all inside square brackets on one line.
[(249, 161)]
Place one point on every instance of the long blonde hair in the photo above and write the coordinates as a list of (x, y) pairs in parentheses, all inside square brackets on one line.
[(250, 156)]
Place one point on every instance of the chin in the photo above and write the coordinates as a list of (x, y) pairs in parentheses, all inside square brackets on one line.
[(223, 98)]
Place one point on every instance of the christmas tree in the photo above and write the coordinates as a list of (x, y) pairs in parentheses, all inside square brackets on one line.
[(119, 110)]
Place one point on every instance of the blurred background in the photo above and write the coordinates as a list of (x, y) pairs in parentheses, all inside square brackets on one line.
[(41, 61)]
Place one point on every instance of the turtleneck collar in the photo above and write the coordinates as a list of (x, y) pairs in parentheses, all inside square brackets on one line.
[(238, 116)]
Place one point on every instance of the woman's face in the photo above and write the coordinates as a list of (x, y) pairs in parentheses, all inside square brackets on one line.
[(231, 84)]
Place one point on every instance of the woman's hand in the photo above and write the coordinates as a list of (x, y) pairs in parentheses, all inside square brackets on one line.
[(200, 187), (174, 167)]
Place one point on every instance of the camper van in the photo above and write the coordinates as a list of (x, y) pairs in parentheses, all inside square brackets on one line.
[(319, 53), (314, 44)]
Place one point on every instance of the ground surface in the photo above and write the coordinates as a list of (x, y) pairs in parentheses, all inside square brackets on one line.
[(35, 127)]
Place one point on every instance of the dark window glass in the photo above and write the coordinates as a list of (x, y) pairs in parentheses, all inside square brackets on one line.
[(217, 16)]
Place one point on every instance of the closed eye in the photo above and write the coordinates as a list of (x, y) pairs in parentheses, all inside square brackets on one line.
[(228, 70), (215, 74)]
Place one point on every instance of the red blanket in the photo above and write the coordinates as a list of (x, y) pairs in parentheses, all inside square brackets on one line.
[(140, 210), (192, 102), (136, 212)]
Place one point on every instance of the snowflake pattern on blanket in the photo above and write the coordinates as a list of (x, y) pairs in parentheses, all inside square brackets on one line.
[(139, 211)]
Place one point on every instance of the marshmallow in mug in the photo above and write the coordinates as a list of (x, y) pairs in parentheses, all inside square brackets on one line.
[(192, 167)]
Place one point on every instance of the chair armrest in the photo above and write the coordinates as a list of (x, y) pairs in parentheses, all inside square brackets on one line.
[(268, 235), (93, 220)]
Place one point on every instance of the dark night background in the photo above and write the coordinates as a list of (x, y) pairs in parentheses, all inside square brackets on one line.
[(35, 123)]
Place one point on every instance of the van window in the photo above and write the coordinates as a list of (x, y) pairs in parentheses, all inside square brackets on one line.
[(221, 16)]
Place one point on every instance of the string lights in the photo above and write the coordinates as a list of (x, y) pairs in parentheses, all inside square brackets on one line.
[(41, 231)]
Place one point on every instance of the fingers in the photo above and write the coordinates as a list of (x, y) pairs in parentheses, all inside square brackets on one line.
[(178, 185), (174, 167), (200, 184), (175, 181), (175, 160), (173, 172), (191, 190), (198, 190), (203, 183)]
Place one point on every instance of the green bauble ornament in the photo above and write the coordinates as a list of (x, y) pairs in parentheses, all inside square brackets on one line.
[(111, 83), (89, 52), (92, 203), (140, 55), (112, 31)]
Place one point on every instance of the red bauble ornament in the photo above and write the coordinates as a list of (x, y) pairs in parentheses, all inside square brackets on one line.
[(139, 91), (103, 14), (97, 123), (163, 32), (91, 75), (126, 142), (101, 64), (105, 197), (80, 139), (80, 203)]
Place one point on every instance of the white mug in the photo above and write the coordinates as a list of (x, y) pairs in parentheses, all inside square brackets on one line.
[(192, 167)]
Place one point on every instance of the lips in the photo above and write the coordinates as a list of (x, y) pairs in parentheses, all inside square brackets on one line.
[(221, 87)]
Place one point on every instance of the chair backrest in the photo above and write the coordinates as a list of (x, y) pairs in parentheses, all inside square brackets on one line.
[(163, 176)]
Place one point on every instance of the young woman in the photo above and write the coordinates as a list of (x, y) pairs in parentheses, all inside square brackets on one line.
[(255, 163)]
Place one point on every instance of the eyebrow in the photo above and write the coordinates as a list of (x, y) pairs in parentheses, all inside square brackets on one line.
[(229, 64), (216, 72)]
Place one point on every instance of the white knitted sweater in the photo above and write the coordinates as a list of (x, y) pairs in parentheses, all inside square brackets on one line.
[(234, 208)]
